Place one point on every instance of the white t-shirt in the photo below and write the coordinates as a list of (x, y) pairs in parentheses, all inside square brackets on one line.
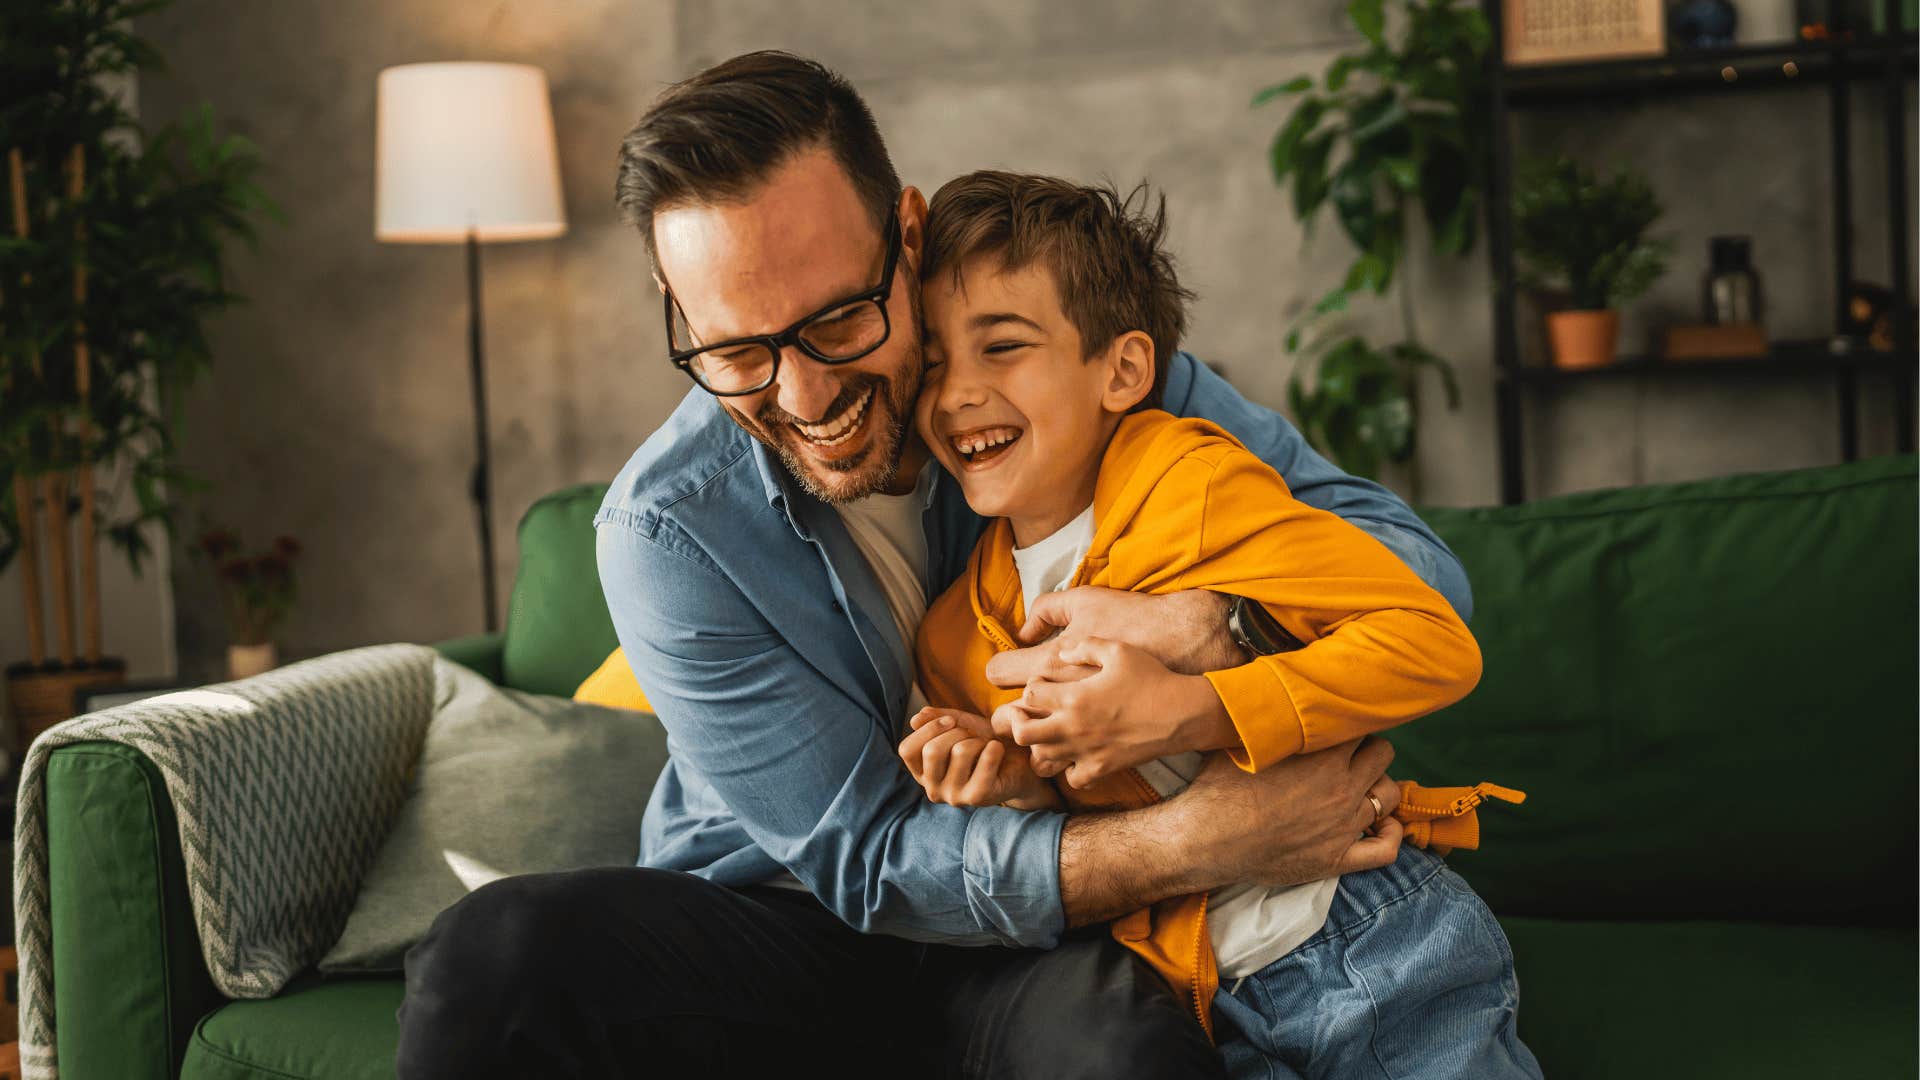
[(888, 531), (1251, 925)]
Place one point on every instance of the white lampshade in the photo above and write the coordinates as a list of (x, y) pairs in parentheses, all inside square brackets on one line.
[(466, 147)]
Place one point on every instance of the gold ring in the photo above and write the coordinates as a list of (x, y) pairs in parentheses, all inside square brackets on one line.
[(1379, 811)]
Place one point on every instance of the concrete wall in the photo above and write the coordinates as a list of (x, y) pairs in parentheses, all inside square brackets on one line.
[(339, 412)]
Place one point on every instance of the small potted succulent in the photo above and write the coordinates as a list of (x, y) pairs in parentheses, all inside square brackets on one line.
[(257, 591), (1588, 235)]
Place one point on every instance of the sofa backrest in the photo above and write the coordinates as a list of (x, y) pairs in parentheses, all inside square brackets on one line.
[(1708, 690), (558, 629)]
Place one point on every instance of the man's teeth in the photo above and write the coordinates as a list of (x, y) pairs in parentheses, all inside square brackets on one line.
[(837, 431), (977, 441)]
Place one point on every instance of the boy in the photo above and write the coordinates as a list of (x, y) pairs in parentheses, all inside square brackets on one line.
[(1051, 312)]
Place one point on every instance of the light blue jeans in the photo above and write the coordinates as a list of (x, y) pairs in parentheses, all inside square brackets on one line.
[(1411, 977)]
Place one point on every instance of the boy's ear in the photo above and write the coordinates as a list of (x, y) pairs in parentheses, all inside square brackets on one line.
[(1129, 371)]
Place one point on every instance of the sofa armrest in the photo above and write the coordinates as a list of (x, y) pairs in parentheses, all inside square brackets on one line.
[(129, 980), (478, 652), (223, 830)]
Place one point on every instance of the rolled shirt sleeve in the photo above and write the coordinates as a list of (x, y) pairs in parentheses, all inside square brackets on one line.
[(809, 773)]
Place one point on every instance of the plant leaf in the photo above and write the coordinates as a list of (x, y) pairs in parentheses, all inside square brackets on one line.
[(1292, 86), (1370, 18)]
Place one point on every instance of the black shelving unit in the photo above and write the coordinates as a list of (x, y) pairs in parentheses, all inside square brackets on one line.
[(1882, 63)]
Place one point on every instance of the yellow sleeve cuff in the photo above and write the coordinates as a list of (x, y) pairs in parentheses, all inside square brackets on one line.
[(1262, 712)]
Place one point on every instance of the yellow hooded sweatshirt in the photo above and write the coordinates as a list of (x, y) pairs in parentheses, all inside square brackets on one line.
[(1180, 504)]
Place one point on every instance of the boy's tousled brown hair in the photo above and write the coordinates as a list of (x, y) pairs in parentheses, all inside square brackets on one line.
[(1104, 251)]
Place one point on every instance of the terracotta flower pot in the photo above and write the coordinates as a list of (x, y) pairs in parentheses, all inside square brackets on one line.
[(1583, 339), (245, 661)]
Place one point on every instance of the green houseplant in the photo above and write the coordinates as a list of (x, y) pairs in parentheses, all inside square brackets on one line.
[(112, 239), (1589, 235), (1392, 129)]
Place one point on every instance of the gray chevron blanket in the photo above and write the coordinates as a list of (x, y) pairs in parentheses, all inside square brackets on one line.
[(284, 785)]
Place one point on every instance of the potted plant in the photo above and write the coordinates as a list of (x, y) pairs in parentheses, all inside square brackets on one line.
[(257, 592), (1589, 235), (111, 249), (1394, 128)]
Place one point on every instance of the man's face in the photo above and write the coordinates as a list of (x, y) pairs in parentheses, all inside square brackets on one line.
[(1013, 407), (800, 242)]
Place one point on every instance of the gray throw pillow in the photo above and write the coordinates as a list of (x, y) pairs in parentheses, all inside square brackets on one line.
[(508, 783)]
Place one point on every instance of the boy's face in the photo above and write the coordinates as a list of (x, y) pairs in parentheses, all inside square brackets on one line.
[(1012, 406)]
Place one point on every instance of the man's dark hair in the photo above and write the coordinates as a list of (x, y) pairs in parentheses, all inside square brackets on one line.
[(1105, 252), (721, 133)]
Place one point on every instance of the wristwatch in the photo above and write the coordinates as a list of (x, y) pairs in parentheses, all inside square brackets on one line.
[(1256, 631)]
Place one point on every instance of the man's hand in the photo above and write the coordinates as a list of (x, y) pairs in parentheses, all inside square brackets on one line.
[(1100, 706), (1301, 819), (955, 757), (1186, 631)]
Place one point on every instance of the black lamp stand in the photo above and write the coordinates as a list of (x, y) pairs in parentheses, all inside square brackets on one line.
[(482, 486)]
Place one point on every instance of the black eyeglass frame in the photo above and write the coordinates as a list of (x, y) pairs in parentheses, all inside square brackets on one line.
[(778, 342)]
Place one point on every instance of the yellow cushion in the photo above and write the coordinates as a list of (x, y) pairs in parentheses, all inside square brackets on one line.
[(613, 685)]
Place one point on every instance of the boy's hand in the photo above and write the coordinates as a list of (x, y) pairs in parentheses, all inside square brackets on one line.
[(1099, 706), (956, 758)]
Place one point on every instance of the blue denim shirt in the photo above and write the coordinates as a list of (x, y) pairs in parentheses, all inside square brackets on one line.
[(764, 642)]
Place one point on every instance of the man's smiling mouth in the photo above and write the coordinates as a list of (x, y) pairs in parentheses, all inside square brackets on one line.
[(841, 428), (983, 445)]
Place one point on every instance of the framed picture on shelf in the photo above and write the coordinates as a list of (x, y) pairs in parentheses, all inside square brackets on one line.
[(1561, 31)]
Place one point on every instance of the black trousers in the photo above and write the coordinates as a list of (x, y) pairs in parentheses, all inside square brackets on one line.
[(629, 972)]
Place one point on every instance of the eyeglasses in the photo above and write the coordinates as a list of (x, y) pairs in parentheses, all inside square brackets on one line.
[(839, 333)]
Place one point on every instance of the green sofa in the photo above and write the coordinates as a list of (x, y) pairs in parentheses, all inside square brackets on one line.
[(1708, 689)]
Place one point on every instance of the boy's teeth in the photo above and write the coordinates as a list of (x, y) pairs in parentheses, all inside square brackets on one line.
[(982, 440)]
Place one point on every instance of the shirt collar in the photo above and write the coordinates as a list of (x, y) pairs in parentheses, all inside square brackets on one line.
[(785, 495)]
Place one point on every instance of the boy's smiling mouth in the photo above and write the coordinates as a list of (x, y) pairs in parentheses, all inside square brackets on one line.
[(983, 446)]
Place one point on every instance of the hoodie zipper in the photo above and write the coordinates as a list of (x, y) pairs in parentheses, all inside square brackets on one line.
[(1201, 939), (1463, 805)]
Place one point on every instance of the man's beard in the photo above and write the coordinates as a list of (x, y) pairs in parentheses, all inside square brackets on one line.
[(873, 469)]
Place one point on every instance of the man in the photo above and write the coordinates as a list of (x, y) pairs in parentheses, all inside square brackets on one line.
[(766, 556)]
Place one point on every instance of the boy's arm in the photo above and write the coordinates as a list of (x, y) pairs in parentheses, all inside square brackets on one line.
[(1194, 390), (1382, 647)]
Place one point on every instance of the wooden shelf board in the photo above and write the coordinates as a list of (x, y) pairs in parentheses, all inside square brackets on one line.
[(1802, 359), (1756, 67)]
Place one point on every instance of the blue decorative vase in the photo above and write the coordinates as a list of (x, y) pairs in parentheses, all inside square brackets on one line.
[(1702, 24)]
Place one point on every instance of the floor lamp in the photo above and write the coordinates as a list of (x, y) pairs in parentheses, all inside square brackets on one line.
[(465, 155)]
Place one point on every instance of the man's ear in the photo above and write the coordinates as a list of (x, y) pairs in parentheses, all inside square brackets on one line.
[(1129, 371), (913, 228)]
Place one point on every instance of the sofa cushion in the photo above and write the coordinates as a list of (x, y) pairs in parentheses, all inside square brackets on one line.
[(1707, 1000), (333, 1029), (1708, 690), (613, 685), (558, 629), (507, 783)]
